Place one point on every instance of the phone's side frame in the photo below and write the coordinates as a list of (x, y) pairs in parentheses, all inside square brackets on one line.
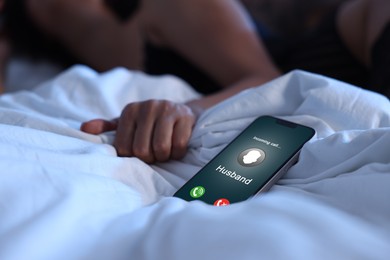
[(282, 171)]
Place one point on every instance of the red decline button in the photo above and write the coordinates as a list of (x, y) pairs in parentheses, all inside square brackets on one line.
[(221, 202)]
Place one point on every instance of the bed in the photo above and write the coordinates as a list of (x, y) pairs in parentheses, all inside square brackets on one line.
[(64, 194)]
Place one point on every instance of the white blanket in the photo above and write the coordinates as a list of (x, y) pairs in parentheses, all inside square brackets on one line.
[(65, 194)]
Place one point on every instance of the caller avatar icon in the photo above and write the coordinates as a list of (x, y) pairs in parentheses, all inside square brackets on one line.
[(251, 157)]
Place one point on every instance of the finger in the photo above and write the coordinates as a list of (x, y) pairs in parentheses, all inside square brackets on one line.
[(123, 142), (162, 138), (180, 137), (143, 135), (98, 126)]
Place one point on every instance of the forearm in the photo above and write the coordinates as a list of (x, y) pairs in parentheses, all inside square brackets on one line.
[(201, 104)]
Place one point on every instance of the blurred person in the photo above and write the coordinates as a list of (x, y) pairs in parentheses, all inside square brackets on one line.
[(361, 46), (220, 52), (217, 44), (157, 37)]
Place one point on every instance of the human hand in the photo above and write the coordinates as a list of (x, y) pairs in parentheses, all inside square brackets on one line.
[(152, 130)]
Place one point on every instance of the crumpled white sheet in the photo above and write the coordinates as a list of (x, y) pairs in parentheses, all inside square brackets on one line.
[(65, 195)]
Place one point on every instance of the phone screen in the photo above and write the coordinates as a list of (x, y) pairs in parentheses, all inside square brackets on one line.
[(248, 163)]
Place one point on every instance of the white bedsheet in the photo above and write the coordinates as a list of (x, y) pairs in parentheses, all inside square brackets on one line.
[(65, 195)]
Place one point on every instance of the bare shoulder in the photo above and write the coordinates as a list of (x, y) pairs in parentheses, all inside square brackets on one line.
[(377, 18), (360, 23)]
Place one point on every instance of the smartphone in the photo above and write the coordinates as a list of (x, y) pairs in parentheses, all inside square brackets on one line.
[(250, 164)]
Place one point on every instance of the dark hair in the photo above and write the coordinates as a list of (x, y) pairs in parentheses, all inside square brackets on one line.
[(122, 9), (27, 39)]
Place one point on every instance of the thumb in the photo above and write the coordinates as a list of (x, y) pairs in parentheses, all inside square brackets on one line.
[(98, 126)]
